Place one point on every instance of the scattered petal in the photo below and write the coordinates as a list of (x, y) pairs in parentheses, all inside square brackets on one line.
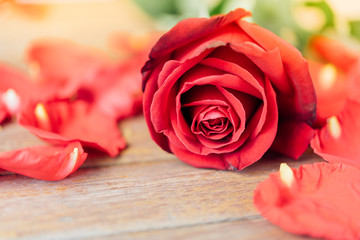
[(61, 122), (323, 200), (338, 140), (49, 163)]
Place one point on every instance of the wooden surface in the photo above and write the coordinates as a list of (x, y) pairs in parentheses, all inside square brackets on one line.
[(145, 193)]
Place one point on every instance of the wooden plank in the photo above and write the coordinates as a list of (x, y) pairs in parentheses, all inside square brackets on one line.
[(129, 198), (247, 229), (140, 147)]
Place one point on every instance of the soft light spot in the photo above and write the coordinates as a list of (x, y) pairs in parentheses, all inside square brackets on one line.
[(334, 127), (11, 100), (286, 174), (309, 18), (327, 76), (40, 113), (42, 117)]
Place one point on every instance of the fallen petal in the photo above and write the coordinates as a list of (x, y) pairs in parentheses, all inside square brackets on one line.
[(61, 122), (49, 163), (338, 141), (322, 201)]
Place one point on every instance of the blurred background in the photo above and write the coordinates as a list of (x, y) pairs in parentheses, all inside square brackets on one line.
[(93, 22)]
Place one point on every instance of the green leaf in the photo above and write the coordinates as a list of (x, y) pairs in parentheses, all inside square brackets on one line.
[(327, 11), (158, 7), (355, 28), (218, 8)]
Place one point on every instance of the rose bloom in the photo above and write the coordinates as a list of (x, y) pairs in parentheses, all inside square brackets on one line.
[(219, 92)]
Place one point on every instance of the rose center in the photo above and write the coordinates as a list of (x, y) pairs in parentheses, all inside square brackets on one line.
[(212, 126), (212, 121)]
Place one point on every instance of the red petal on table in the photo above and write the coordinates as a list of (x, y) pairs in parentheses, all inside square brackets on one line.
[(319, 200), (338, 140), (44, 162), (334, 52), (61, 122)]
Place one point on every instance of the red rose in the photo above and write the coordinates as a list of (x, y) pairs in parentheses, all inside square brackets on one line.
[(220, 92)]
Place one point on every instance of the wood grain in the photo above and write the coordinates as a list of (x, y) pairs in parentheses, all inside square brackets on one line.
[(145, 193)]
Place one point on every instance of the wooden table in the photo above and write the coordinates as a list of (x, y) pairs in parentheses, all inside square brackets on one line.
[(145, 193)]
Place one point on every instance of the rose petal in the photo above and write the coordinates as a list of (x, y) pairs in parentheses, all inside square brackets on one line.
[(319, 200), (44, 162), (228, 54), (187, 31), (301, 102), (149, 91), (202, 161), (292, 138), (245, 82), (167, 90), (61, 122), (270, 63), (257, 145), (238, 85), (338, 140), (236, 110)]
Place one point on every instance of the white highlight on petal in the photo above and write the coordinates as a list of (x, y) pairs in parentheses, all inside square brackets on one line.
[(68, 165), (74, 157), (43, 117), (11, 100), (286, 174), (334, 127), (327, 76), (40, 112)]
